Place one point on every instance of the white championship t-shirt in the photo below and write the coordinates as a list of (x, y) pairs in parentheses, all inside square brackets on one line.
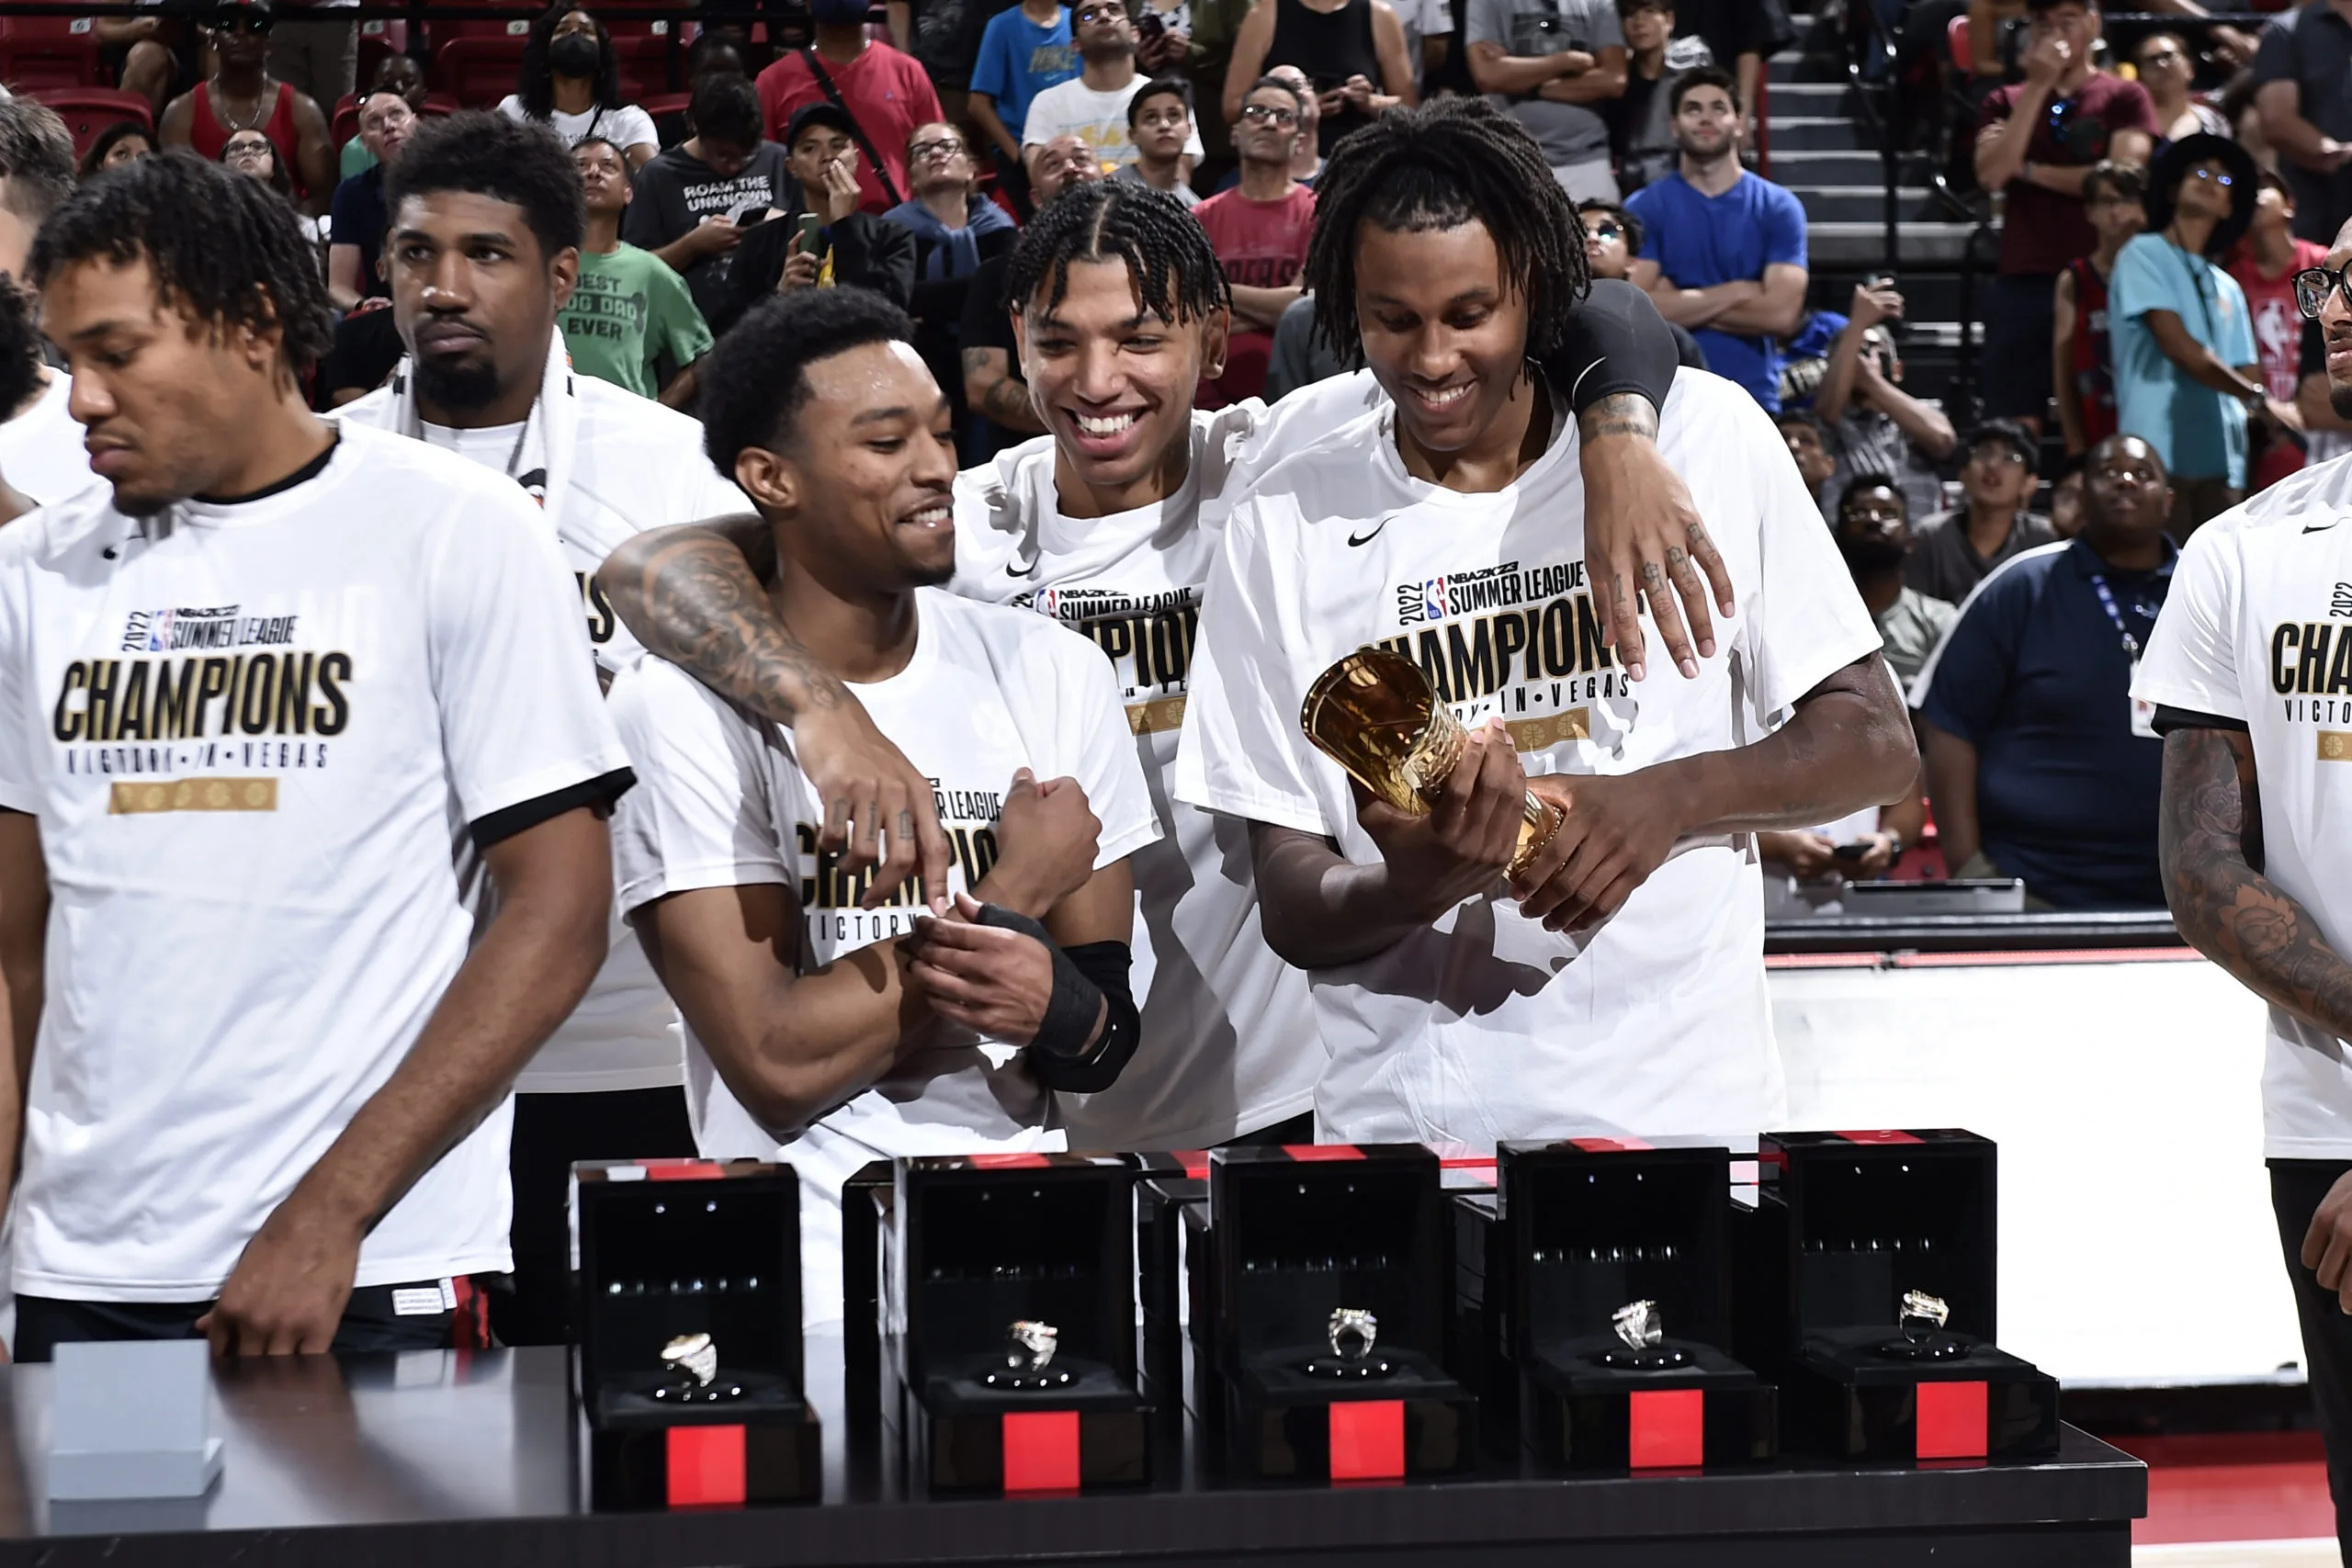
[(1099, 119), (1228, 1042), (1485, 1025), (2257, 633), (633, 464), (41, 454), (625, 127), (722, 803), (254, 735)]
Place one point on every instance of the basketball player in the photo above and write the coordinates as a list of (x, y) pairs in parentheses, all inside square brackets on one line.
[(2249, 668), (246, 689), (1619, 985), (1109, 525), (898, 1033), (42, 459), (481, 249)]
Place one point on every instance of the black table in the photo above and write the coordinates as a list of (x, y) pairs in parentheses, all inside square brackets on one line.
[(458, 1459)]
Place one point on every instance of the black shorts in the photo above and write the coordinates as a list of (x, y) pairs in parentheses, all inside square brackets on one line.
[(371, 1320)]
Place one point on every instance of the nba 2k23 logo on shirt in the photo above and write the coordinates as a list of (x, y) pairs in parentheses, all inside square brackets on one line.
[(1148, 637), (249, 700), (1524, 644), (831, 897)]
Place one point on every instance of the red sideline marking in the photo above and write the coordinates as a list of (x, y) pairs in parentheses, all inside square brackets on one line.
[(1467, 1162), (706, 1466), (1368, 1440), (1308, 1153), (1194, 1161), (1041, 1450), (2233, 1486), (2029, 960), (1951, 1420), (1007, 1161), (1668, 1428), (1610, 1146), (683, 1171), (1879, 1135)]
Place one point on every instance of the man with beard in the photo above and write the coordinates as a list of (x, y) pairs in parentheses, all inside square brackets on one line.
[(1616, 984), (487, 219), (2254, 864), (1723, 250), (2040, 762), (1111, 525), (1093, 106), (247, 689), (1873, 533)]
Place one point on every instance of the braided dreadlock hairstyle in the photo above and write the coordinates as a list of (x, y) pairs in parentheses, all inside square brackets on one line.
[(1440, 167), (222, 243), (1170, 264)]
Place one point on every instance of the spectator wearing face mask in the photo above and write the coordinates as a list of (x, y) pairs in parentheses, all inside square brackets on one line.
[(1881, 429), (571, 83), (1953, 550), (881, 93)]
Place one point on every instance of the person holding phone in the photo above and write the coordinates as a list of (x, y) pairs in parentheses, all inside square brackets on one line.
[(819, 238)]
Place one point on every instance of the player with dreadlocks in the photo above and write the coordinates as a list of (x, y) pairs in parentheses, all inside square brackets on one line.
[(1616, 984), (246, 686), (1109, 523)]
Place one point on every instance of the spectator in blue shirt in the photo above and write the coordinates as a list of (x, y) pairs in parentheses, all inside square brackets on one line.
[(1722, 251), (2186, 371), (2039, 762), (1023, 51)]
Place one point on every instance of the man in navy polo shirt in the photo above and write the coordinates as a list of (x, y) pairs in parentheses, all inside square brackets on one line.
[(2039, 763), (1722, 251)]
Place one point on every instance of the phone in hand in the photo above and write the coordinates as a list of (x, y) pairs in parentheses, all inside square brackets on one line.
[(812, 225), (1852, 851), (1149, 25)]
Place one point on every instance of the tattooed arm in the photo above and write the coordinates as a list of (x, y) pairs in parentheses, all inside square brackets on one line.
[(2208, 832), (992, 391), (1616, 367), (2210, 836), (693, 595)]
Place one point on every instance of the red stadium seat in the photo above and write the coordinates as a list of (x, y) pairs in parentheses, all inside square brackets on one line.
[(346, 124), (89, 110), (1956, 39), (475, 69), (645, 66), (37, 52)]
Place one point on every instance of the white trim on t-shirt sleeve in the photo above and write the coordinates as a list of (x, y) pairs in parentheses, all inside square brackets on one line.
[(2192, 658)]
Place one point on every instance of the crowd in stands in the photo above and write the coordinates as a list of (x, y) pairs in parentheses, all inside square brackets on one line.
[(2160, 200)]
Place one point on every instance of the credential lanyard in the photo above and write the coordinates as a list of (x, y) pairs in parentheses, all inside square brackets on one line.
[(2106, 601)]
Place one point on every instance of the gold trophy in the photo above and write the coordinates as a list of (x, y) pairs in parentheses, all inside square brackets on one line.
[(1374, 714)]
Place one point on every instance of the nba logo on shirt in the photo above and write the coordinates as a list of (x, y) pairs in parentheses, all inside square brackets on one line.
[(1421, 601), (147, 631), (1048, 604)]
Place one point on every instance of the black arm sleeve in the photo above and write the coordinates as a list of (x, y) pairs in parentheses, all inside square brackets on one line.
[(1069, 1054), (1616, 343)]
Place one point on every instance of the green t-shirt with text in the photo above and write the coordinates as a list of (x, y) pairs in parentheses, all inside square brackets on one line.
[(628, 314)]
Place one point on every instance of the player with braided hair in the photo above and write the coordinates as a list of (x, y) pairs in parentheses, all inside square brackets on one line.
[(246, 686), (1614, 981), (1108, 523)]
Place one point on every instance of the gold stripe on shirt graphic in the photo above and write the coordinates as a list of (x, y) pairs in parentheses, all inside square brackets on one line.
[(194, 794), (1534, 734), (1153, 717)]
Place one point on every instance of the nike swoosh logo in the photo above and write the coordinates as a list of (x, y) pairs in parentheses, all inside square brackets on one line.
[(2321, 528), (1014, 568), (1356, 540)]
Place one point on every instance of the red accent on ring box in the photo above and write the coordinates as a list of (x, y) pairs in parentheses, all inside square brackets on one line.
[(1017, 1161), (1307, 1154), (1194, 1161), (683, 1170), (1882, 1136), (1668, 1428), (1041, 1450), (1610, 1146), (706, 1466), (1368, 1439), (1951, 1420)]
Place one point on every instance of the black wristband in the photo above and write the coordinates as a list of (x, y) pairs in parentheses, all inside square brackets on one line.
[(1616, 342), (1091, 1025)]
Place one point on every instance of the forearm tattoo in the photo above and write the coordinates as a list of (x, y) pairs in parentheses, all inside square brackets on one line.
[(696, 604), (1620, 413), (2210, 836)]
